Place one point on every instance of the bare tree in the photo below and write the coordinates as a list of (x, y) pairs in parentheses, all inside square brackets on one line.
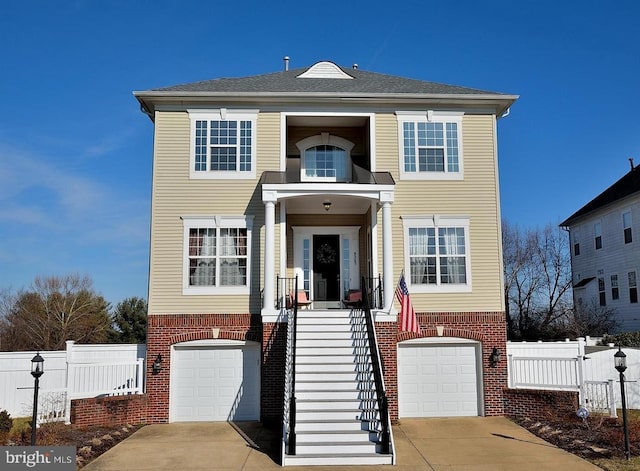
[(54, 310), (537, 271), (589, 319)]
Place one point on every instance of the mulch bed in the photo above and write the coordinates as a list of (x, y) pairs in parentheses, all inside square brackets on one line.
[(90, 442), (595, 438)]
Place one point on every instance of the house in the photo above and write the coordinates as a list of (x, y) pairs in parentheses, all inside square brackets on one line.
[(342, 179), (605, 259)]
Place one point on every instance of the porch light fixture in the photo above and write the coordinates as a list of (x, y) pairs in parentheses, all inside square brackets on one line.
[(157, 365), (494, 357), (37, 370), (327, 205), (620, 363)]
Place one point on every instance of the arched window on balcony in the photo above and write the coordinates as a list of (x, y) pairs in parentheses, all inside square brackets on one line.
[(325, 158)]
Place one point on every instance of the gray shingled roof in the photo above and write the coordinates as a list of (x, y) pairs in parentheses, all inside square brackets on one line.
[(286, 82), (626, 186)]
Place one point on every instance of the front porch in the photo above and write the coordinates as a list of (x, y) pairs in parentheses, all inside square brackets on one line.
[(329, 236)]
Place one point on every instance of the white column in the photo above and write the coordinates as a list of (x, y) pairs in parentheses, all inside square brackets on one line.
[(387, 256), (269, 251)]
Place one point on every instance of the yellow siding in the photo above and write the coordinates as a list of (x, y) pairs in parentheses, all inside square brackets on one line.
[(175, 195), (475, 197)]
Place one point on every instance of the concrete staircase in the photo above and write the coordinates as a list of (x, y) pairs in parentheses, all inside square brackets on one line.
[(335, 393)]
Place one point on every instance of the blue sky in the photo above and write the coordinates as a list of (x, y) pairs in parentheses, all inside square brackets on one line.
[(75, 151)]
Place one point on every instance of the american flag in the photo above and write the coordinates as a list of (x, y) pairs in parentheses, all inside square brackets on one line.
[(408, 320)]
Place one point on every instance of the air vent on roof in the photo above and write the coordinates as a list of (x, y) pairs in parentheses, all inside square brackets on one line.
[(286, 62), (325, 69)]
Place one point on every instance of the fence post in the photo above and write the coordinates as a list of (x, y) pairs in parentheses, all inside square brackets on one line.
[(613, 411), (581, 386), (511, 371), (140, 386), (67, 381)]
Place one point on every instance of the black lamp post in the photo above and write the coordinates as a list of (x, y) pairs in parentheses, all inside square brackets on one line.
[(37, 370), (620, 362)]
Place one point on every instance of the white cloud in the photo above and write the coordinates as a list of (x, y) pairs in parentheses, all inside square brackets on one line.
[(58, 217)]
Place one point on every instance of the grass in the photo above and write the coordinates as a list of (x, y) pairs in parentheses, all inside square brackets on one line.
[(618, 464)]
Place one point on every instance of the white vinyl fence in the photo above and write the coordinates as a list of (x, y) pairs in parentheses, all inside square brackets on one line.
[(80, 371), (574, 366)]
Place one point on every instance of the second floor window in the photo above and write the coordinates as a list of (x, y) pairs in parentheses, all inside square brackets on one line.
[(325, 162), (430, 145), (597, 231), (325, 158), (222, 144)]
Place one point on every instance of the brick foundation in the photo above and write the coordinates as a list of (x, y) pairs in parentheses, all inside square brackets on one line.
[(113, 410), (489, 328), (539, 404), (167, 330)]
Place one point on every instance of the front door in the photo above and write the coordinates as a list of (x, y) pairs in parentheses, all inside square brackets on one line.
[(326, 267)]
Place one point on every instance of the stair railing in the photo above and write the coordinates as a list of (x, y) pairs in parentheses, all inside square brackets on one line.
[(383, 403), (289, 409), (373, 287)]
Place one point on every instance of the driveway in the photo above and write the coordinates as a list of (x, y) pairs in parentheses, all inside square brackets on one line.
[(448, 444)]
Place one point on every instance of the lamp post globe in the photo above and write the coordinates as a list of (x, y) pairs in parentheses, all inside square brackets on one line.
[(620, 360)]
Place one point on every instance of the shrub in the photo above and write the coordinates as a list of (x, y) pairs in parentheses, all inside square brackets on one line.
[(6, 422), (626, 339)]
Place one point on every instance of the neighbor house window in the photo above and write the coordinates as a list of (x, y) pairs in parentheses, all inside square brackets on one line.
[(325, 158), (626, 223), (437, 253), (633, 287), (576, 243), (597, 232), (431, 145), (223, 143), (615, 290), (601, 288), (216, 255)]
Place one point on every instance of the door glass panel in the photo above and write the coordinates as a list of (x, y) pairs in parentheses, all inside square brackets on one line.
[(306, 264), (346, 270)]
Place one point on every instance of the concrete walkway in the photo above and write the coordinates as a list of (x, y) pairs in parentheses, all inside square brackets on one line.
[(450, 444)]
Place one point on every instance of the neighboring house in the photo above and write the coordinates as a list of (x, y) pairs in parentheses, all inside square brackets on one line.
[(605, 260), (333, 175)]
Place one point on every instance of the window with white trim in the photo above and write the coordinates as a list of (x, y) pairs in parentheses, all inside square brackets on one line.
[(576, 242), (633, 287), (223, 143), (325, 158), (597, 233), (626, 223), (430, 145), (615, 289), (217, 254), (437, 253), (602, 293)]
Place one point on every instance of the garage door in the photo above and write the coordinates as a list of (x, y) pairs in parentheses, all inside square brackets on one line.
[(437, 380), (215, 381)]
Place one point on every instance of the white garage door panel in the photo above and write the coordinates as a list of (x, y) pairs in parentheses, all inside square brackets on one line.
[(215, 383), (437, 380)]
